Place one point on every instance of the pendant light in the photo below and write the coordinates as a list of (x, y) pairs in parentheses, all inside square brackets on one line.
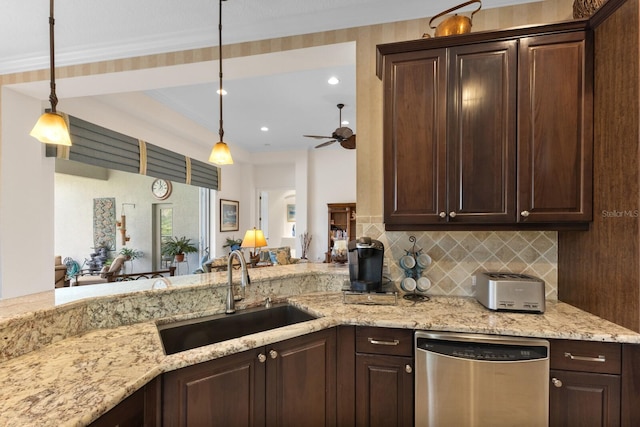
[(220, 154), (51, 127)]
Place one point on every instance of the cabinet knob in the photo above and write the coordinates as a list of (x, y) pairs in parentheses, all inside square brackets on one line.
[(442, 214), (556, 382), (273, 354), (262, 358), (524, 214), (408, 369), (452, 214)]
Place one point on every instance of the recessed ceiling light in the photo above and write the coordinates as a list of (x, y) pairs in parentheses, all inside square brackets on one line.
[(333, 81), (224, 92), (264, 129)]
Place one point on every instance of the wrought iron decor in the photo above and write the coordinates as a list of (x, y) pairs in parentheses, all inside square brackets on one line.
[(104, 223)]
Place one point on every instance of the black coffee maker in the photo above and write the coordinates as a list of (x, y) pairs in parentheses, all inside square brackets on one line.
[(366, 257)]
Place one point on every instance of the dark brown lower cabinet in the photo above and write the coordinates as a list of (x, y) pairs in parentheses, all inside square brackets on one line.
[(630, 399), (288, 383), (384, 390), (384, 377), (142, 408), (584, 399), (585, 384)]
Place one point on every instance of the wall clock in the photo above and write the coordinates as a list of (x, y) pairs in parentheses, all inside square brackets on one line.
[(161, 189)]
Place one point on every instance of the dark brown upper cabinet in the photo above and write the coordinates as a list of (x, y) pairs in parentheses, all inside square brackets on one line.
[(489, 130), (555, 128)]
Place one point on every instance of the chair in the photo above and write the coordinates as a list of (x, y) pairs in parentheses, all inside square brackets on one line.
[(91, 278), (60, 272)]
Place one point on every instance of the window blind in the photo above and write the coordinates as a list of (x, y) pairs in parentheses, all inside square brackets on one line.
[(99, 146)]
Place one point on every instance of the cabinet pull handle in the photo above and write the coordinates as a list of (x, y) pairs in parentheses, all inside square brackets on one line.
[(442, 214), (524, 214), (452, 214), (379, 342), (556, 382), (262, 358), (273, 354), (600, 358), (408, 369)]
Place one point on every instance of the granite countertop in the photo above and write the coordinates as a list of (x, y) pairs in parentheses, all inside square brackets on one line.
[(73, 381)]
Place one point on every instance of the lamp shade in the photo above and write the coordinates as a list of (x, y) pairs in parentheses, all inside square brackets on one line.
[(51, 128), (254, 238), (220, 154)]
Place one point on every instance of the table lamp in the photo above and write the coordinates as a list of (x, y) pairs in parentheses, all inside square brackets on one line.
[(254, 238)]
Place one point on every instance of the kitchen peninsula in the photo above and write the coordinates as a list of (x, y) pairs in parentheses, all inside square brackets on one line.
[(107, 347)]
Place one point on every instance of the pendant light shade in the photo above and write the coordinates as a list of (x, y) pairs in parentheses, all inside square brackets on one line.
[(220, 154), (51, 128)]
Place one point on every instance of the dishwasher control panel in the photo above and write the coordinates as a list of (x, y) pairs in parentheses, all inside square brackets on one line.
[(485, 351)]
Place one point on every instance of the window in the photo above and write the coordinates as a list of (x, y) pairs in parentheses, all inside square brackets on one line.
[(163, 229)]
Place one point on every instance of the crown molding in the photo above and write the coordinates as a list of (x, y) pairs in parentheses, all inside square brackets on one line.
[(118, 49)]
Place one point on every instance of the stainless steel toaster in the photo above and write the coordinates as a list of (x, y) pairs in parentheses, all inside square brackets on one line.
[(510, 292)]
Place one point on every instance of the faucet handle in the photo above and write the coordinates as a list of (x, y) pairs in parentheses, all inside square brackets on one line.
[(267, 302)]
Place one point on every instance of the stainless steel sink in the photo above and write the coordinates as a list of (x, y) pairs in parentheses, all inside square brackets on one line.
[(188, 334)]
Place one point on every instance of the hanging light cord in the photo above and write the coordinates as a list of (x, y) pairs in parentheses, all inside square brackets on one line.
[(53, 99), (221, 130)]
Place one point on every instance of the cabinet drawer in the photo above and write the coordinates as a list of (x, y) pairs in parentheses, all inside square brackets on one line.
[(587, 356), (396, 342)]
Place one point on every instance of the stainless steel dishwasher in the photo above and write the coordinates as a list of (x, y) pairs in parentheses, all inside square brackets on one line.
[(476, 380)]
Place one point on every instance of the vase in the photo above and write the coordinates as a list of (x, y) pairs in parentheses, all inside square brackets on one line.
[(339, 252)]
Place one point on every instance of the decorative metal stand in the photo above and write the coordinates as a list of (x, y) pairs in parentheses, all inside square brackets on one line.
[(413, 265)]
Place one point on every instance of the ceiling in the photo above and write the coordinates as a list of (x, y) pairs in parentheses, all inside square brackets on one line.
[(287, 92)]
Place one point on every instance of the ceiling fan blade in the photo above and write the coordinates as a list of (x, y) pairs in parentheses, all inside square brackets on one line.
[(324, 144), (318, 136), (349, 143)]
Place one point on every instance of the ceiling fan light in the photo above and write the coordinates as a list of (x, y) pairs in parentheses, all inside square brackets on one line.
[(220, 154), (51, 128)]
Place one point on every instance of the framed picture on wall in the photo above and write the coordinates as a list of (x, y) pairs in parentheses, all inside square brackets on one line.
[(229, 215), (291, 213)]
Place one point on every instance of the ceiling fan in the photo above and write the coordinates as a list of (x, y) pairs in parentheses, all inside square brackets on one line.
[(343, 135)]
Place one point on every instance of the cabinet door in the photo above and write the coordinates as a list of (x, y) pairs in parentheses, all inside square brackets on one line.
[(584, 399), (142, 408), (384, 390), (301, 381), (555, 129), (414, 137), (481, 139), (223, 392)]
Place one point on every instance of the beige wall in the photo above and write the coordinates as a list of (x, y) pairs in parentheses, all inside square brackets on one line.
[(454, 277)]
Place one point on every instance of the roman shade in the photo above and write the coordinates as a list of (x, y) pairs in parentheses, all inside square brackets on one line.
[(163, 163), (99, 146), (201, 175)]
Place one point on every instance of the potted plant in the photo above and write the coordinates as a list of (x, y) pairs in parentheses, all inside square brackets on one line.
[(131, 254), (177, 247), (232, 244)]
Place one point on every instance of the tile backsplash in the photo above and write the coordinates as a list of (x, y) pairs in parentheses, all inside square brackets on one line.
[(457, 255)]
